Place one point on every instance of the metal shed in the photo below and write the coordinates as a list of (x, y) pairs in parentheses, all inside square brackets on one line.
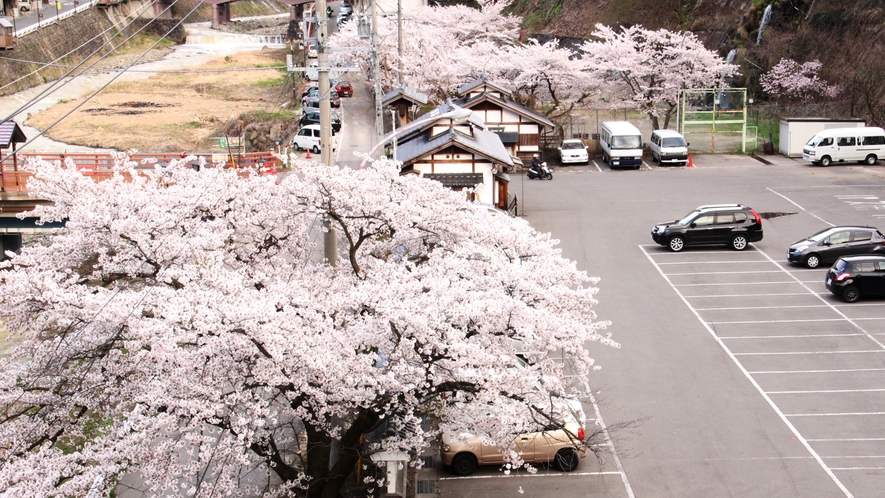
[(796, 132)]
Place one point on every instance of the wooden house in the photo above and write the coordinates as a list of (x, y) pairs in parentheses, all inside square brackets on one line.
[(520, 127), (461, 154), (7, 34), (406, 101)]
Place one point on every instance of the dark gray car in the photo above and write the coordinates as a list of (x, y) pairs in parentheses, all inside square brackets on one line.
[(830, 244)]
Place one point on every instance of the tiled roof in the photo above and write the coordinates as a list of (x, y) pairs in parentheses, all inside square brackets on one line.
[(406, 93), (508, 104), (10, 132), (467, 87)]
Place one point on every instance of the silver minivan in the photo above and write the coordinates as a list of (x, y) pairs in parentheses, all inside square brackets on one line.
[(668, 147)]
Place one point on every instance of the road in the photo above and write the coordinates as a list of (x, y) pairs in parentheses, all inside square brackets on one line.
[(754, 380)]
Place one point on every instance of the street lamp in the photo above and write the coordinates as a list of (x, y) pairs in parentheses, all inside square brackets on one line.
[(458, 115)]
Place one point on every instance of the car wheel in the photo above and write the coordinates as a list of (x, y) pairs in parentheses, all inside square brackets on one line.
[(812, 261), (825, 161), (297, 148), (567, 459), (739, 242), (676, 243), (315, 149), (871, 159), (850, 294), (464, 464)]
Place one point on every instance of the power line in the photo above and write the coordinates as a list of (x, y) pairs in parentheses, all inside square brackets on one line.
[(87, 99), (56, 86), (137, 14)]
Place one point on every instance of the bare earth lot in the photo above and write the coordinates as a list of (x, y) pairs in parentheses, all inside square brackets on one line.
[(172, 111)]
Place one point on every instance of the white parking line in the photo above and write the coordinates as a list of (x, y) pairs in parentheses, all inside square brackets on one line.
[(752, 381), (800, 207), (829, 391), (840, 440), (750, 295), (858, 468), (646, 165), (842, 370), (714, 262), (736, 283), (845, 414), (759, 308), (804, 336), (799, 353), (757, 322), (526, 474), (724, 272), (597, 166)]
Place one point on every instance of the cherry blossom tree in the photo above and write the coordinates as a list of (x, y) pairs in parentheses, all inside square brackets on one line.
[(652, 67), (791, 81), (184, 328), (449, 46)]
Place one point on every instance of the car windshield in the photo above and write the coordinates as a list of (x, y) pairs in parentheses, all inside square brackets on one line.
[(815, 140), (687, 218), (841, 265), (626, 142), (673, 142), (572, 145), (819, 236)]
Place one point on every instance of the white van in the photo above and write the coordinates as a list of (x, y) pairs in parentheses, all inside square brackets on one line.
[(621, 144), (668, 147), (864, 145), (308, 138)]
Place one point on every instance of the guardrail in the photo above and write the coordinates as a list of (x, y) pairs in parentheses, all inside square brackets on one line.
[(88, 4), (100, 166)]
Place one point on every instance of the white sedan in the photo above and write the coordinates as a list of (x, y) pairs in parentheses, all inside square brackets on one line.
[(573, 151)]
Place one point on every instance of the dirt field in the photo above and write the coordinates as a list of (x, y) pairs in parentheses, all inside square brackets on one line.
[(172, 112)]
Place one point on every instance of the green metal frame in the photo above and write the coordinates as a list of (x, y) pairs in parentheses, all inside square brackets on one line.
[(717, 116)]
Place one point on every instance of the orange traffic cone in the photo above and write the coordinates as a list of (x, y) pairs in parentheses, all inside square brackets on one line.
[(307, 155), (690, 162)]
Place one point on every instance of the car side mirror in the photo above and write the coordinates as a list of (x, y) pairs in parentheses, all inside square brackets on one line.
[(687, 144), (693, 224)]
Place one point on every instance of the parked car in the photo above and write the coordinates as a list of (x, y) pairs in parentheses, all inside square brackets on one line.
[(560, 443), (735, 225), (314, 118), (854, 276), (828, 245), (310, 104), (345, 8), (308, 138), (573, 151), (306, 89), (344, 89), (314, 92), (668, 146)]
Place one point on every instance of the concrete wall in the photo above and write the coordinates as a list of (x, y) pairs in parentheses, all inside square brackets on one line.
[(79, 36)]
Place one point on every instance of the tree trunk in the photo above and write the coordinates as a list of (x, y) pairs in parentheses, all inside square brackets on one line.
[(326, 481)]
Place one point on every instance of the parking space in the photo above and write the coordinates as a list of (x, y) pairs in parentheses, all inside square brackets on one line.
[(819, 362), (702, 161)]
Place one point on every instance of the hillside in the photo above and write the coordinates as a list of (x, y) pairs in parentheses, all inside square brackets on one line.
[(842, 34)]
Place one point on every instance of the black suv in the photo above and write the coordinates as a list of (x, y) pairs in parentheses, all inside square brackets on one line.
[(314, 118), (735, 225), (855, 276), (830, 244)]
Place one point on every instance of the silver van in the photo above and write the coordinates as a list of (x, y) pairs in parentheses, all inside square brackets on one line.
[(668, 147)]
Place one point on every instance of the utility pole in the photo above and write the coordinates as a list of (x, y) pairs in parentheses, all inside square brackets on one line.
[(376, 74), (399, 43), (323, 70)]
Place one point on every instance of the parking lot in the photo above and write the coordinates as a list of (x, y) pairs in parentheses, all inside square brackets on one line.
[(816, 360), (747, 377)]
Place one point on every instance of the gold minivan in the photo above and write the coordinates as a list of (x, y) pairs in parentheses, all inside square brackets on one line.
[(561, 444)]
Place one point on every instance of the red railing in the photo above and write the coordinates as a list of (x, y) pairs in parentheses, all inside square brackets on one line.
[(99, 166)]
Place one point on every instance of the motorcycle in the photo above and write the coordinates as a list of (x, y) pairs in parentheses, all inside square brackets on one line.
[(544, 173)]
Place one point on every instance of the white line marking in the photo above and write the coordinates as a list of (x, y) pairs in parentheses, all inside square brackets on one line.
[(806, 336), (858, 468), (738, 283), (714, 262), (646, 165), (846, 414), (802, 321), (797, 353), (829, 391), (753, 382), (724, 272), (751, 295), (785, 197), (609, 442), (526, 474), (759, 308), (852, 321), (597, 166), (849, 439), (842, 370)]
